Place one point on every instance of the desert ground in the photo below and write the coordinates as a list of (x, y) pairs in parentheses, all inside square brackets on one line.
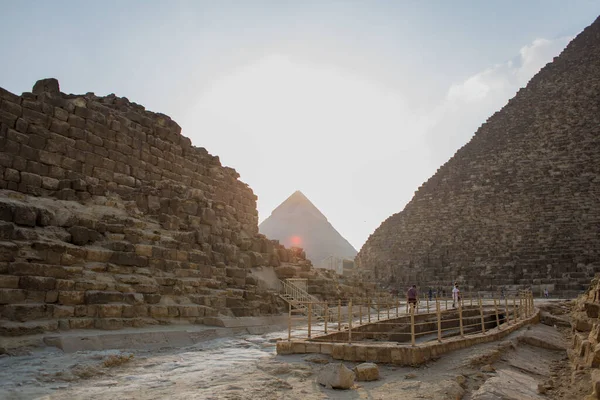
[(529, 364)]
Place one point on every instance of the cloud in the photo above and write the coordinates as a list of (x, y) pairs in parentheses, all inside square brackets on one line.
[(469, 103)]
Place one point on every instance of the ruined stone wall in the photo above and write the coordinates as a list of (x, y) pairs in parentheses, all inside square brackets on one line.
[(109, 217), (519, 205)]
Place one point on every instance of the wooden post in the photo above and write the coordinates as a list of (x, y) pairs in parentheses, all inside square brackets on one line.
[(446, 303), (471, 297), (515, 308), (482, 319), (497, 315), (521, 305), (460, 320), (378, 304), (360, 314), (387, 305), (290, 322), (439, 319), (309, 318), (369, 307), (350, 322), (412, 324), (339, 315), (397, 306), (326, 315), (531, 301), (427, 304), (506, 311)]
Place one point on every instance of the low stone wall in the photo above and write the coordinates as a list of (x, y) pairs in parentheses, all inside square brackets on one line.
[(396, 353)]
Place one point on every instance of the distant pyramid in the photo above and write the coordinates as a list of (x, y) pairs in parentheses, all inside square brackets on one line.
[(297, 222)]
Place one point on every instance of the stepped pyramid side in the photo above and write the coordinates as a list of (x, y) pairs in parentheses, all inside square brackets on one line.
[(110, 218), (297, 222), (519, 205)]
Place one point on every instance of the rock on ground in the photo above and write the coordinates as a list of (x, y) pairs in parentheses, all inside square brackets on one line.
[(336, 376), (367, 372)]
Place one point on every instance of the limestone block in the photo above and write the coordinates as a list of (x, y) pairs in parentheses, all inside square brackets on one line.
[(108, 323), (37, 283), (103, 297), (81, 323), (63, 311), (110, 310), (208, 216), (51, 296), (367, 372), (25, 215), (580, 324), (9, 282), (71, 297), (12, 296), (285, 271), (8, 251), (48, 85), (591, 309), (24, 312), (156, 311), (336, 376)]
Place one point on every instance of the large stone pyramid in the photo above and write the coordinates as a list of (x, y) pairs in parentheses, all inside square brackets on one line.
[(519, 205), (297, 222)]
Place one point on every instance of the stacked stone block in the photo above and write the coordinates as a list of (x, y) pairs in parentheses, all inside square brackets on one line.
[(110, 218)]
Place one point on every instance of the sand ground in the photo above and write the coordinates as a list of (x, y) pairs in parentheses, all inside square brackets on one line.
[(247, 367)]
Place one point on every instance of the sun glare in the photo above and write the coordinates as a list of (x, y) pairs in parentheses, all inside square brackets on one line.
[(296, 241)]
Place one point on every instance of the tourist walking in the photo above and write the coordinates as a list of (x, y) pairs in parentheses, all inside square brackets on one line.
[(546, 294), (430, 294), (455, 295)]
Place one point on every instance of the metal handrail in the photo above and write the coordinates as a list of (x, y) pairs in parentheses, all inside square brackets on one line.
[(298, 296)]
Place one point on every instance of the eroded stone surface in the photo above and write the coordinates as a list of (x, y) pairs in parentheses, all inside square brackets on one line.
[(110, 218)]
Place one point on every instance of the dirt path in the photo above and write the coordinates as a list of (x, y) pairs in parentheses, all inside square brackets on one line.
[(246, 367)]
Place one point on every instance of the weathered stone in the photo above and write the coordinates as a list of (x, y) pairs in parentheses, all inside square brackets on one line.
[(367, 372), (37, 283), (24, 312), (102, 297), (8, 251), (49, 85), (336, 376), (6, 230), (12, 296), (25, 215), (81, 235), (71, 297)]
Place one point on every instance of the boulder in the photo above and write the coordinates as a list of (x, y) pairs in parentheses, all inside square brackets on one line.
[(336, 376), (367, 372), (49, 85)]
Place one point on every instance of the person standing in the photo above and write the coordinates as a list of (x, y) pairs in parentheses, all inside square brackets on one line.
[(411, 295), (430, 294), (455, 295)]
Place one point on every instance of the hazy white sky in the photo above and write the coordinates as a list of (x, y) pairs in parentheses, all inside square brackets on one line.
[(354, 103)]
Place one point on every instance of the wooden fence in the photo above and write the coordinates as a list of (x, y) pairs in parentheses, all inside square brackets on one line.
[(396, 320)]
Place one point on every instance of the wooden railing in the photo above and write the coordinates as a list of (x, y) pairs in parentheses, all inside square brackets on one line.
[(293, 291), (435, 318)]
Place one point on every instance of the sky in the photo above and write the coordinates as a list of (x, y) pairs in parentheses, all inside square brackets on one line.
[(354, 103)]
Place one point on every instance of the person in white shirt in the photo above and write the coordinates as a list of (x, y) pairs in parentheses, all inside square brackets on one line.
[(455, 295)]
